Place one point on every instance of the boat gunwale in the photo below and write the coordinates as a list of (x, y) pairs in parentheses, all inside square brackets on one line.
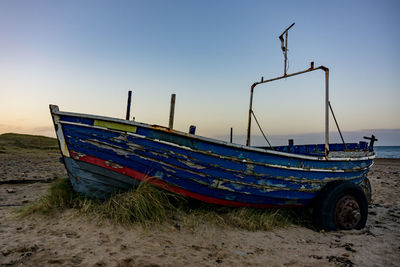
[(202, 138), (268, 165)]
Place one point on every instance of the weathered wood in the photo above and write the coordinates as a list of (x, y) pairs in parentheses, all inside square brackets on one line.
[(172, 112), (128, 108)]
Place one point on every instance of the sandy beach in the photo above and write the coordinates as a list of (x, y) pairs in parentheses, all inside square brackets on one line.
[(70, 240)]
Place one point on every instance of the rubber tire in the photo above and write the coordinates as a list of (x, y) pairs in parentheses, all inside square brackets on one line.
[(366, 186), (325, 204)]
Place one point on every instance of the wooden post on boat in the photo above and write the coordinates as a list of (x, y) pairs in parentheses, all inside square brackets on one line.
[(172, 112), (231, 134), (128, 109)]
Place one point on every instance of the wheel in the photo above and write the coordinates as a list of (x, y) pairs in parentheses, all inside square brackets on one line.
[(366, 186), (340, 206)]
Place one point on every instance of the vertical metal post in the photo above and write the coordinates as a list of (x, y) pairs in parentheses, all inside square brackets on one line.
[(284, 42), (128, 109), (286, 37), (231, 134), (326, 111), (250, 110), (172, 112)]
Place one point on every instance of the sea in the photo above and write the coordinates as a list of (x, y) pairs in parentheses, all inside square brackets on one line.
[(387, 152)]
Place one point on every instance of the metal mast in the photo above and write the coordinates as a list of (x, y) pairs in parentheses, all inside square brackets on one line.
[(285, 75), (284, 46)]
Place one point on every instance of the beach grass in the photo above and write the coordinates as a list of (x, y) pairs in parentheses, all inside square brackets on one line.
[(247, 218), (145, 205), (148, 205)]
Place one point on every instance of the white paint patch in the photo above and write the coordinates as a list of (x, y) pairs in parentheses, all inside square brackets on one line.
[(191, 164), (113, 165), (219, 184), (100, 144), (60, 136)]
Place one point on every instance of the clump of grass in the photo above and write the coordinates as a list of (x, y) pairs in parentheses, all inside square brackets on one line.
[(145, 205), (257, 219), (251, 219), (148, 205)]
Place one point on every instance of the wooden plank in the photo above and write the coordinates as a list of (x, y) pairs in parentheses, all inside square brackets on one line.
[(172, 112)]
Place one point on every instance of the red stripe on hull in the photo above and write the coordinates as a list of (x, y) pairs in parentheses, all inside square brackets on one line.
[(143, 177)]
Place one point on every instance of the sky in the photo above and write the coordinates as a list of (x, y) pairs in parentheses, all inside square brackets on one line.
[(84, 56)]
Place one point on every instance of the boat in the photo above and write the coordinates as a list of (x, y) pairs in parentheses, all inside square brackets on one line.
[(105, 156)]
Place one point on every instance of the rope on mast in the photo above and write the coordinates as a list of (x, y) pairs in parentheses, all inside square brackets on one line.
[(252, 112)]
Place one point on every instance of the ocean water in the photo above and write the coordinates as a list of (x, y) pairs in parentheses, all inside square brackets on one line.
[(387, 151)]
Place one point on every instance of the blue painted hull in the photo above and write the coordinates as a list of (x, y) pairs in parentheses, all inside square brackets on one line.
[(105, 156)]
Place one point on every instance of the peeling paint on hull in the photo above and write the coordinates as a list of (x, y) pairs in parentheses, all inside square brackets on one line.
[(205, 169)]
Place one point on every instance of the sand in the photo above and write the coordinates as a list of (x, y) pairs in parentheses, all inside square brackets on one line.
[(70, 240)]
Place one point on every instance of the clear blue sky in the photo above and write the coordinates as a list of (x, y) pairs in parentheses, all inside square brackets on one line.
[(85, 55)]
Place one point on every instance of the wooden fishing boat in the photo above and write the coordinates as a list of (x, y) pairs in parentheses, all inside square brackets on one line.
[(104, 156)]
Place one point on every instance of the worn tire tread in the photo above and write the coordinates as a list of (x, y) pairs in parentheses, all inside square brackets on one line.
[(325, 203)]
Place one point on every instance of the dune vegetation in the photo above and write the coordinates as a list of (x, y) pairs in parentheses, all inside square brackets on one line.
[(150, 206), (12, 141)]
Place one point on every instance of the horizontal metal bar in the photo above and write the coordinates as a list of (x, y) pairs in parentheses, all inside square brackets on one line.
[(325, 69), (289, 75)]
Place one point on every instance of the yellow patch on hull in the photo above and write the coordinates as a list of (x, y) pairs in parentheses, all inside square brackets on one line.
[(115, 126)]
